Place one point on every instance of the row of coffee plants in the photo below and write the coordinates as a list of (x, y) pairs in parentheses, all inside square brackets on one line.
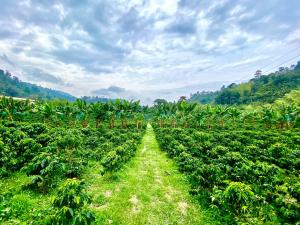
[(69, 205), (249, 176), (51, 155)]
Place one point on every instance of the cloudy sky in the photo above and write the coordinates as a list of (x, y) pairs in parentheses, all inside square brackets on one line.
[(146, 48)]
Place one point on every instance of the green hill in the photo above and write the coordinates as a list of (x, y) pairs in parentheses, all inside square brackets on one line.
[(204, 97), (263, 89), (12, 86)]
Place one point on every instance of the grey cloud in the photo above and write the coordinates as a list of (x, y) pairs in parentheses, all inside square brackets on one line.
[(182, 25), (130, 21), (6, 33), (35, 74), (133, 27), (90, 59), (111, 91), (192, 4), (7, 60), (38, 12)]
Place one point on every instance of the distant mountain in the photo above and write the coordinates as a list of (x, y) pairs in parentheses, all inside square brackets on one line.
[(12, 86), (93, 99), (262, 88)]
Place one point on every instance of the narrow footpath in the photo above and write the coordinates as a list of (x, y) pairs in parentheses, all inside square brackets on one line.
[(147, 190)]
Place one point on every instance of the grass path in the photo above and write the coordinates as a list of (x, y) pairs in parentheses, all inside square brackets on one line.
[(148, 190)]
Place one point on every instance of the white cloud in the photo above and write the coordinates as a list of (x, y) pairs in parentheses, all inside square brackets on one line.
[(238, 9), (26, 3), (61, 10), (293, 36), (166, 6)]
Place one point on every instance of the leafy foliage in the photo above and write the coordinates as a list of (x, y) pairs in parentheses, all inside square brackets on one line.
[(55, 141), (264, 89), (241, 161), (70, 205), (249, 175)]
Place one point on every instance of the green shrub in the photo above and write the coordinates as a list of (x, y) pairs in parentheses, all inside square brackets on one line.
[(238, 198), (248, 165), (110, 161), (70, 205), (47, 169)]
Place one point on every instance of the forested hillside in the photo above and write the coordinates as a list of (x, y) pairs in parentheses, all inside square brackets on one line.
[(204, 97), (12, 86), (264, 88)]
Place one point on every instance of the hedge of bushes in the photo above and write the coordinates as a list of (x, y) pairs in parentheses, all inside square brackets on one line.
[(249, 176)]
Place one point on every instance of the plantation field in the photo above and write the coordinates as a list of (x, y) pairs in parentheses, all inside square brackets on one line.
[(148, 190), (247, 176), (37, 160), (173, 163)]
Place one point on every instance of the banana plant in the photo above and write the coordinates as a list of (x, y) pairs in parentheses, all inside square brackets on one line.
[(64, 111), (185, 111), (139, 118), (160, 113), (173, 119), (234, 113), (209, 116), (286, 115), (98, 112), (221, 112), (14, 109), (110, 114), (47, 111), (267, 116), (247, 117), (200, 116), (82, 112), (124, 111), (138, 113)]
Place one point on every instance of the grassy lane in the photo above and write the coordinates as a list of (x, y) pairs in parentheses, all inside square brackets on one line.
[(148, 190)]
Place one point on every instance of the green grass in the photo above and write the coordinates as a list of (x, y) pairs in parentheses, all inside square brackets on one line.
[(25, 204), (147, 190), (14, 182)]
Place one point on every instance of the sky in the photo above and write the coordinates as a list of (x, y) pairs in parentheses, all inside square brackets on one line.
[(146, 49)]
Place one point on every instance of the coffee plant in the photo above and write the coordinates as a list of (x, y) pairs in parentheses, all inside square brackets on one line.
[(250, 176), (70, 205)]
